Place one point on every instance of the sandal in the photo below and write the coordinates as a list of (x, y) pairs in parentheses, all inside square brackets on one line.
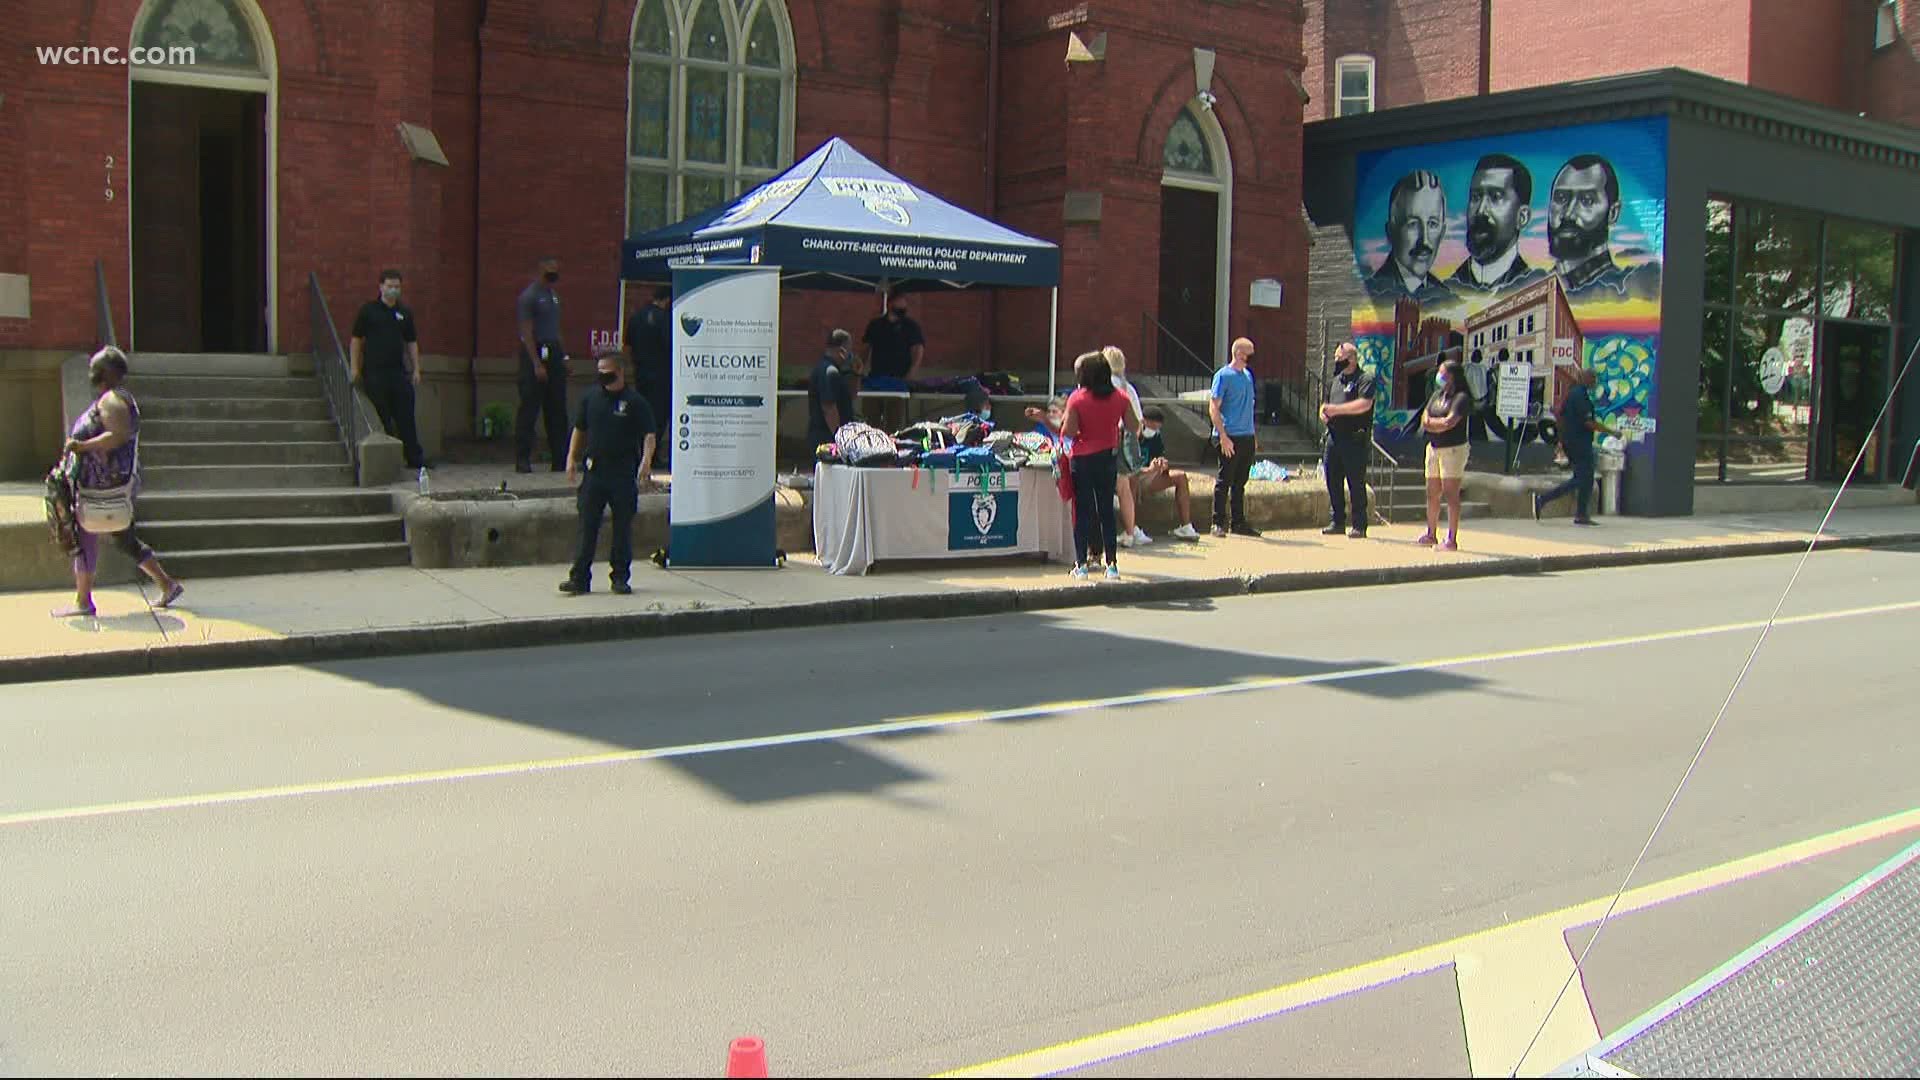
[(1428, 540), (75, 612), (172, 595)]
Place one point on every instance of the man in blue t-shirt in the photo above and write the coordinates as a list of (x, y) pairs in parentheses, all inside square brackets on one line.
[(1577, 425), (1231, 406)]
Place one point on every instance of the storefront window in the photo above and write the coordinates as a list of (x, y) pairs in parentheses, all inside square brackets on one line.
[(1859, 276), (710, 96), (1794, 338), (1719, 251), (1779, 253)]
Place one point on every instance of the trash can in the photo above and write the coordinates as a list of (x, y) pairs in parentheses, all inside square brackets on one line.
[(1610, 459)]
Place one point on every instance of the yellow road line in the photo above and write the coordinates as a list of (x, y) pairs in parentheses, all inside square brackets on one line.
[(921, 722), (1145, 1035)]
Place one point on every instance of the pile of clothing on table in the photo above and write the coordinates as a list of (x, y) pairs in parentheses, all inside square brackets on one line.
[(965, 442), (968, 442)]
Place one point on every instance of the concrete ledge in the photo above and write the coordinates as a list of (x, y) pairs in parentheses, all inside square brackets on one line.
[(562, 630)]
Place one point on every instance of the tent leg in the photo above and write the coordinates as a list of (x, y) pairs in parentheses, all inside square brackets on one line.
[(1053, 343)]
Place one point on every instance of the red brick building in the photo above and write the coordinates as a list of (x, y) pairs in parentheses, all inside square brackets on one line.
[(1858, 56), (460, 140)]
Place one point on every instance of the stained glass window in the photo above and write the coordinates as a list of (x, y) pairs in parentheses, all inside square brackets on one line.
[(216, 31), (1186, 149), (652, 30), (710, 86)]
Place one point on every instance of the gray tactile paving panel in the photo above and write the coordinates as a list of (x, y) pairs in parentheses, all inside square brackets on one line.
[(1839, 998)]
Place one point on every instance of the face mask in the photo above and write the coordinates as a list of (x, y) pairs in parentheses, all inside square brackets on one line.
[(390, 293), (553, 276), (1443, 380), (986, 412), (608, 378)]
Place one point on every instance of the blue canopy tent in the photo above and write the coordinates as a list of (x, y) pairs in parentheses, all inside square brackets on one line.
[(835, 220)]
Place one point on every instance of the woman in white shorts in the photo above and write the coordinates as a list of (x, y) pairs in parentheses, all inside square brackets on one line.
[(1445, 422)]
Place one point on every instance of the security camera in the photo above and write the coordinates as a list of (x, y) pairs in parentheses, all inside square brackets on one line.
[(1207, 100)]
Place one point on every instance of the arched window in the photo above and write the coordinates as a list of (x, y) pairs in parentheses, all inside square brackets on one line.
[(709, 104), (212, 37)]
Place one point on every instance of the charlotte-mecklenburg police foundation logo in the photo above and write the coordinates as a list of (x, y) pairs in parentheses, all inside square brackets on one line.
[(692, 323), (986, 509)]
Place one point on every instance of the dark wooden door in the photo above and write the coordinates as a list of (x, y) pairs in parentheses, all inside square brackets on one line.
[(1189, 261)]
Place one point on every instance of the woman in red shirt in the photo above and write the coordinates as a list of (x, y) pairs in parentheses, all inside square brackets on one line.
[(1095, 414)]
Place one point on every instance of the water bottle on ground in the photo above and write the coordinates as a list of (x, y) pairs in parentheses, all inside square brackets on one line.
[(423, 479)]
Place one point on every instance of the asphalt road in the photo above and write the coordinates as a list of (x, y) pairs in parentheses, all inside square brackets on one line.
[(613, 858)]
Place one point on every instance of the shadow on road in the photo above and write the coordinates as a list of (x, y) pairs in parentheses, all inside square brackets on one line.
[(657, 694)]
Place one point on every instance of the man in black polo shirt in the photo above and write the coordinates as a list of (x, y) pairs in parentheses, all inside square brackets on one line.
[(384, 341), (895, 348), (613, 439), (543, 369), (1348, 415), (649, 341)]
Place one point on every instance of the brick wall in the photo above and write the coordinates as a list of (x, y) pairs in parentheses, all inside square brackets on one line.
[(1542, 42), (538, 158), (1424, 50), (1893, 73), (1815, 52)]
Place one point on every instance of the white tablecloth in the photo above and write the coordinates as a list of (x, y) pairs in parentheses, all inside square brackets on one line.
[(861, 516)]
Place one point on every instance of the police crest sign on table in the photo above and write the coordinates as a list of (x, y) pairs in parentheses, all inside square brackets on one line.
[(726, 344)]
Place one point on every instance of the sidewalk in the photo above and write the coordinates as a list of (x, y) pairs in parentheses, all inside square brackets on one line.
[(238, 622)]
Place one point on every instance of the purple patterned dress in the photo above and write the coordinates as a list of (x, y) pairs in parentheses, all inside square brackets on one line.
[(109, 469)]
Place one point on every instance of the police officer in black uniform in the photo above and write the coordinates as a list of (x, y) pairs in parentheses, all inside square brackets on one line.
[(384, 340), (543, 368), (1348, 415), (613, 439)]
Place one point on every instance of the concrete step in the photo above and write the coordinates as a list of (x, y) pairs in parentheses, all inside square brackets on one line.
[(232, 477), (228, 364), (246, 562), (244, 505), (223, 387), (169, 537), (236, 409), (237, 431), (163, 454)]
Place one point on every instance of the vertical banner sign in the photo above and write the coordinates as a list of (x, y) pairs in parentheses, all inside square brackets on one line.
[(726, 345)]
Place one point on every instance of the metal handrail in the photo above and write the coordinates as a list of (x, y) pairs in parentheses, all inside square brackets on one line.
[(1152, 334), (330, 363), (1393, 480), (102, 308)]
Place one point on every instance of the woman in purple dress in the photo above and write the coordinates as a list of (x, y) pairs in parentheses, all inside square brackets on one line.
[(106, 441)]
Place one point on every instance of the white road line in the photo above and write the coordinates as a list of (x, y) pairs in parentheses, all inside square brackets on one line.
[(912, 723)]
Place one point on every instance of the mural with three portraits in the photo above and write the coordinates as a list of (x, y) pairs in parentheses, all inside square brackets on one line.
[(1539, 248)]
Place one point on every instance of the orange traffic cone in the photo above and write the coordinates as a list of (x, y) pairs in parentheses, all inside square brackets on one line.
[(747, 1056)]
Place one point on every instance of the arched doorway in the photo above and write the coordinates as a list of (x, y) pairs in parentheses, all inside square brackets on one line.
[(201, 111), (1196, 235)]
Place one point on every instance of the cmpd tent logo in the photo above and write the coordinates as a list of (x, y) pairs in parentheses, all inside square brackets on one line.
[(692, 323), (882, 198)]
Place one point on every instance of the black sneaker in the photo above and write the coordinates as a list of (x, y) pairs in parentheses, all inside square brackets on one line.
[(571, 587), (1536, 508), (621, 588), (1585, 521), (1218, 531), (523, 467), (1244, 529), (1358, 534), (1333, 530)]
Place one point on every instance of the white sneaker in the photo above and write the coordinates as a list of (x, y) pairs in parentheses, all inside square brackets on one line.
[(1186, 532), (1140, 536), (1113, 573), (1125, 540), (1079, 573)]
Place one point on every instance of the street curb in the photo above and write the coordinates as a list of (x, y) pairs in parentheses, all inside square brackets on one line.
[(339, 646)]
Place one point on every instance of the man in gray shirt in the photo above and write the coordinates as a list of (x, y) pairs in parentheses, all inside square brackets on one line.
[(543, 369)]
